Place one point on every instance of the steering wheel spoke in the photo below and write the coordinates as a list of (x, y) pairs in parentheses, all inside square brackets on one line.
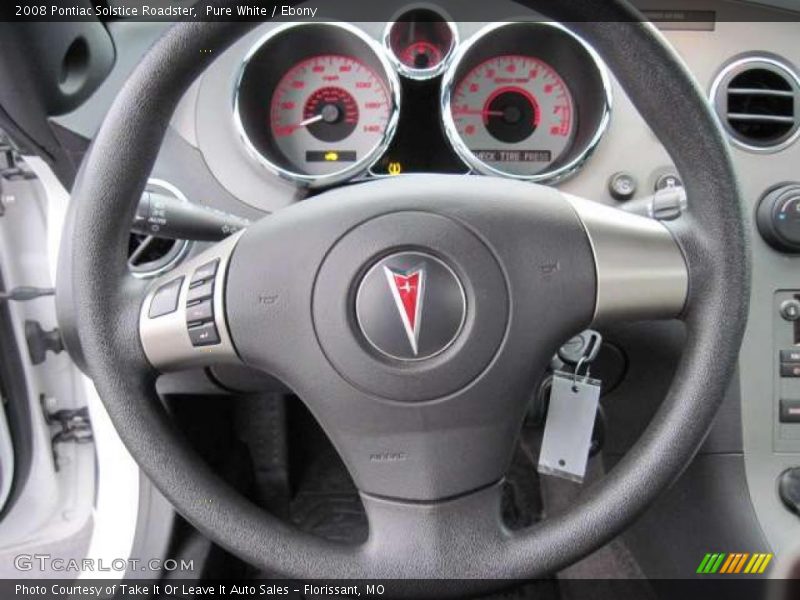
[(423, 538), (640, 269), (182, 322)]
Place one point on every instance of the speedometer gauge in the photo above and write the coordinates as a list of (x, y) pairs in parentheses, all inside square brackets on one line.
[(328, 111), (528, 100), (316, 103), (514, 113)]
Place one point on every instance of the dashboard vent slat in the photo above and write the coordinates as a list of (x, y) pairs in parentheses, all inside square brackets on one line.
[(758, 102), (759, 117), (759, 92)]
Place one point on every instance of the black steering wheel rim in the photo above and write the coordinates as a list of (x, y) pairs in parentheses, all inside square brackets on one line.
[(106, 300)]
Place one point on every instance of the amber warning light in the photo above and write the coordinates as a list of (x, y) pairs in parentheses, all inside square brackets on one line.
[(330, 156)]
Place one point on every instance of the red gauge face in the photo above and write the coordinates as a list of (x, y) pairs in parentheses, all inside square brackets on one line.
[(328, 112), (421, 41), (514, 114), (421, 55)]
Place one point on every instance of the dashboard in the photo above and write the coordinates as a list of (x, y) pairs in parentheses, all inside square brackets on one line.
[(321, 103), (291, 109)]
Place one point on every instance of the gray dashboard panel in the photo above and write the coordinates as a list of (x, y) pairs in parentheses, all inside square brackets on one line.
[(131, 40), (771, 272)]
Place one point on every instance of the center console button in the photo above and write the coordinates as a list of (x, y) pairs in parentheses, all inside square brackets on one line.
[(790, 411), (790, 370), (790, 310)]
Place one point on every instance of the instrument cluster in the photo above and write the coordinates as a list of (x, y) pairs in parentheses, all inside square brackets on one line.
[(321, 103)]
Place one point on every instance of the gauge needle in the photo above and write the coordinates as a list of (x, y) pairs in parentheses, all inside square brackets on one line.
[(483, 113), (309, 121), (304, 123)]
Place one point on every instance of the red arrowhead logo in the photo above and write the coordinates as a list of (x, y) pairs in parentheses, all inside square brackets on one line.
[(408, 289)]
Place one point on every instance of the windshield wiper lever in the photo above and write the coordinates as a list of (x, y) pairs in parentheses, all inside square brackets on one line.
[(165, 216)]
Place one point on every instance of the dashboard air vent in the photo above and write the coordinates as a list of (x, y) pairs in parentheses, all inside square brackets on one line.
[(150, 256), (758, 102)]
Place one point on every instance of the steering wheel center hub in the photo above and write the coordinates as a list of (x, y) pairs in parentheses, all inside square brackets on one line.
[(410, 306)]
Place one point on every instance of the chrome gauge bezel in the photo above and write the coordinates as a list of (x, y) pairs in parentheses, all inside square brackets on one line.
[(360, 166), (547, 176), (410, 72)]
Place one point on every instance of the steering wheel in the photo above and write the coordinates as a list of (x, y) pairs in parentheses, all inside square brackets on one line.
[(511, 269)]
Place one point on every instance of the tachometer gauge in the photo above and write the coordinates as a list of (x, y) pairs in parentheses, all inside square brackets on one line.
[(329, 111), (514, 113), (317, 103), (528, 100)]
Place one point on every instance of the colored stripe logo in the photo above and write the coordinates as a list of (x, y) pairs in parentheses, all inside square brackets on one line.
[(734, 563)]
